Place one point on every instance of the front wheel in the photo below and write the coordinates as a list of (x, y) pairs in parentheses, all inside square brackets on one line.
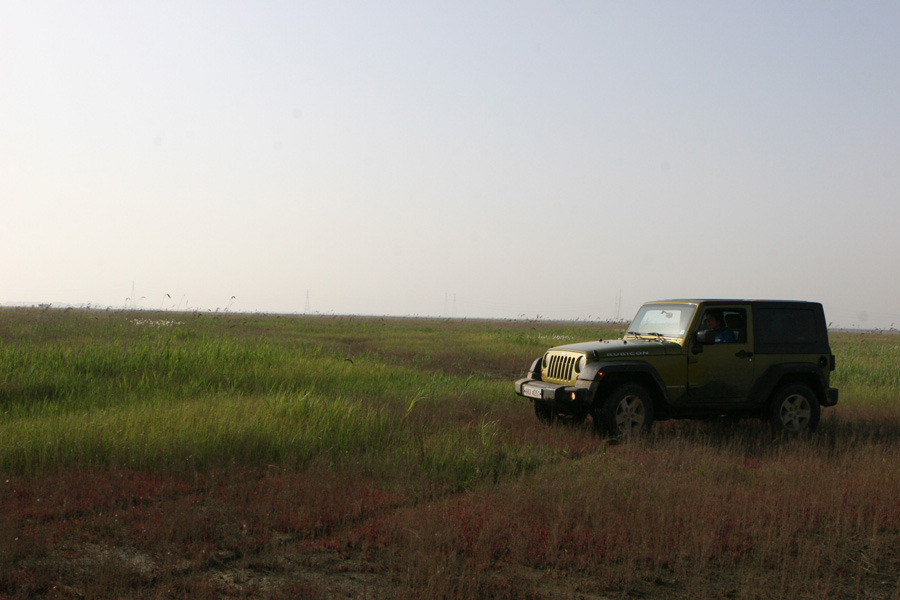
[(544, 413), (626, 412), (794, 409)]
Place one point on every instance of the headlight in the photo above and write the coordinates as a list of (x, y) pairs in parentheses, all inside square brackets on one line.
[(581, 363), (545, 361)]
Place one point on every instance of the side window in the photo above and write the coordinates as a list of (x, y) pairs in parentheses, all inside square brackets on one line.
[(727, 324), (787, 326), (736, 320)]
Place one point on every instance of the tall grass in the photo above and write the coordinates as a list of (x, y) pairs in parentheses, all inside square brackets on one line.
[(167, 451), (867, 366), (153, 390), (194, 433), (208, 392), (676, 519)]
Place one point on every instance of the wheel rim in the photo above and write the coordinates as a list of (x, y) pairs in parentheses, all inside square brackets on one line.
[(630, 415), (795, 412)]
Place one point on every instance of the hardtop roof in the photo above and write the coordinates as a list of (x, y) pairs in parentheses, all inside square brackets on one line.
[(730, 301)]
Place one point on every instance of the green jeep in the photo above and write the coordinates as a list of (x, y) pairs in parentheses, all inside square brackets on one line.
[(693, 359)]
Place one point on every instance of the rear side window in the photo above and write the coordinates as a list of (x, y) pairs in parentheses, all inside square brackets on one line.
[(790, 330)]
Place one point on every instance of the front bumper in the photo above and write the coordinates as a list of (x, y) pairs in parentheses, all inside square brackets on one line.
[(563, 398)]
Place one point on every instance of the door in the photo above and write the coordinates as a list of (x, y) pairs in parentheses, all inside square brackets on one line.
[(721, 372)]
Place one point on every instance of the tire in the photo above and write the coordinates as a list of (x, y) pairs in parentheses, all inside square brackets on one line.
[(794, 409), (573, 420), (544, 413), (626, 412)]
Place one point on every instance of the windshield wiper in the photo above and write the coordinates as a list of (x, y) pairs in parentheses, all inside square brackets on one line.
[(652, 334)]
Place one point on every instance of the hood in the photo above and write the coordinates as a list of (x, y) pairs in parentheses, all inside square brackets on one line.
[(617, 349)]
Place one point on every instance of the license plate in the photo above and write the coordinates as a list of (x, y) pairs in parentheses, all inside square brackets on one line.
[(531, 392)]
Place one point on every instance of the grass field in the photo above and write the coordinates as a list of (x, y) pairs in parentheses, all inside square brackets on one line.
[(198, 455)]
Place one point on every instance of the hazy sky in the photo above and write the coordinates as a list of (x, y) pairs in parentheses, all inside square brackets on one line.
[(465, 158)]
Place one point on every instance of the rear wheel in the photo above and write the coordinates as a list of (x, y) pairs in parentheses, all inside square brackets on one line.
[(626, 412), (794, 409)]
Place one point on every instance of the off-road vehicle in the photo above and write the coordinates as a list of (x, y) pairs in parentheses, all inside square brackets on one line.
[(693, 359)]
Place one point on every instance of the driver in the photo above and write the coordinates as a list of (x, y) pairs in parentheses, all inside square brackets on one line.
[(715, 322)]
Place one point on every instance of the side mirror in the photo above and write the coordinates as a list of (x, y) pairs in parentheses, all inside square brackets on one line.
[(706, 337)]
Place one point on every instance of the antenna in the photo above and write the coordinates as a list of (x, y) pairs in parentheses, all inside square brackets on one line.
[(618, 304), (306, 306)]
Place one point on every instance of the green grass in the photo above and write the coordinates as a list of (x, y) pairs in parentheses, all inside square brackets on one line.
[(155, 393), (160, 391), (867, 366)]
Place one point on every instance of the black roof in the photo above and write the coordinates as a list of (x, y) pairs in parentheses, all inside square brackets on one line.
[(735, 301)]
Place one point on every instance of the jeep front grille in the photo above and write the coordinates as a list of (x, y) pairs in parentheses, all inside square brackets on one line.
[(561, 367)]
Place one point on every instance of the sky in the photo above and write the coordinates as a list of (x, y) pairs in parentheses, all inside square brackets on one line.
[(471, 159)]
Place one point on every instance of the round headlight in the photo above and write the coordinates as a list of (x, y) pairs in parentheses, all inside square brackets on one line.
[(581, 363)]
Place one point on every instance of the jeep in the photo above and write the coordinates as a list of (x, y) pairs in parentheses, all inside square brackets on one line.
[(693, 359)]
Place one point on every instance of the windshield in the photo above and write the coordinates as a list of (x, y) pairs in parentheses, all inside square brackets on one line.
[(667, 320)]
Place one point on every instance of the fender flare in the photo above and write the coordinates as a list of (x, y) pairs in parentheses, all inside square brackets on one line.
[(535, 369), (592, 371), (769, 381)]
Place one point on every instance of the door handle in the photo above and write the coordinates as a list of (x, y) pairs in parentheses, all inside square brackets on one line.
[(743, 354)]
